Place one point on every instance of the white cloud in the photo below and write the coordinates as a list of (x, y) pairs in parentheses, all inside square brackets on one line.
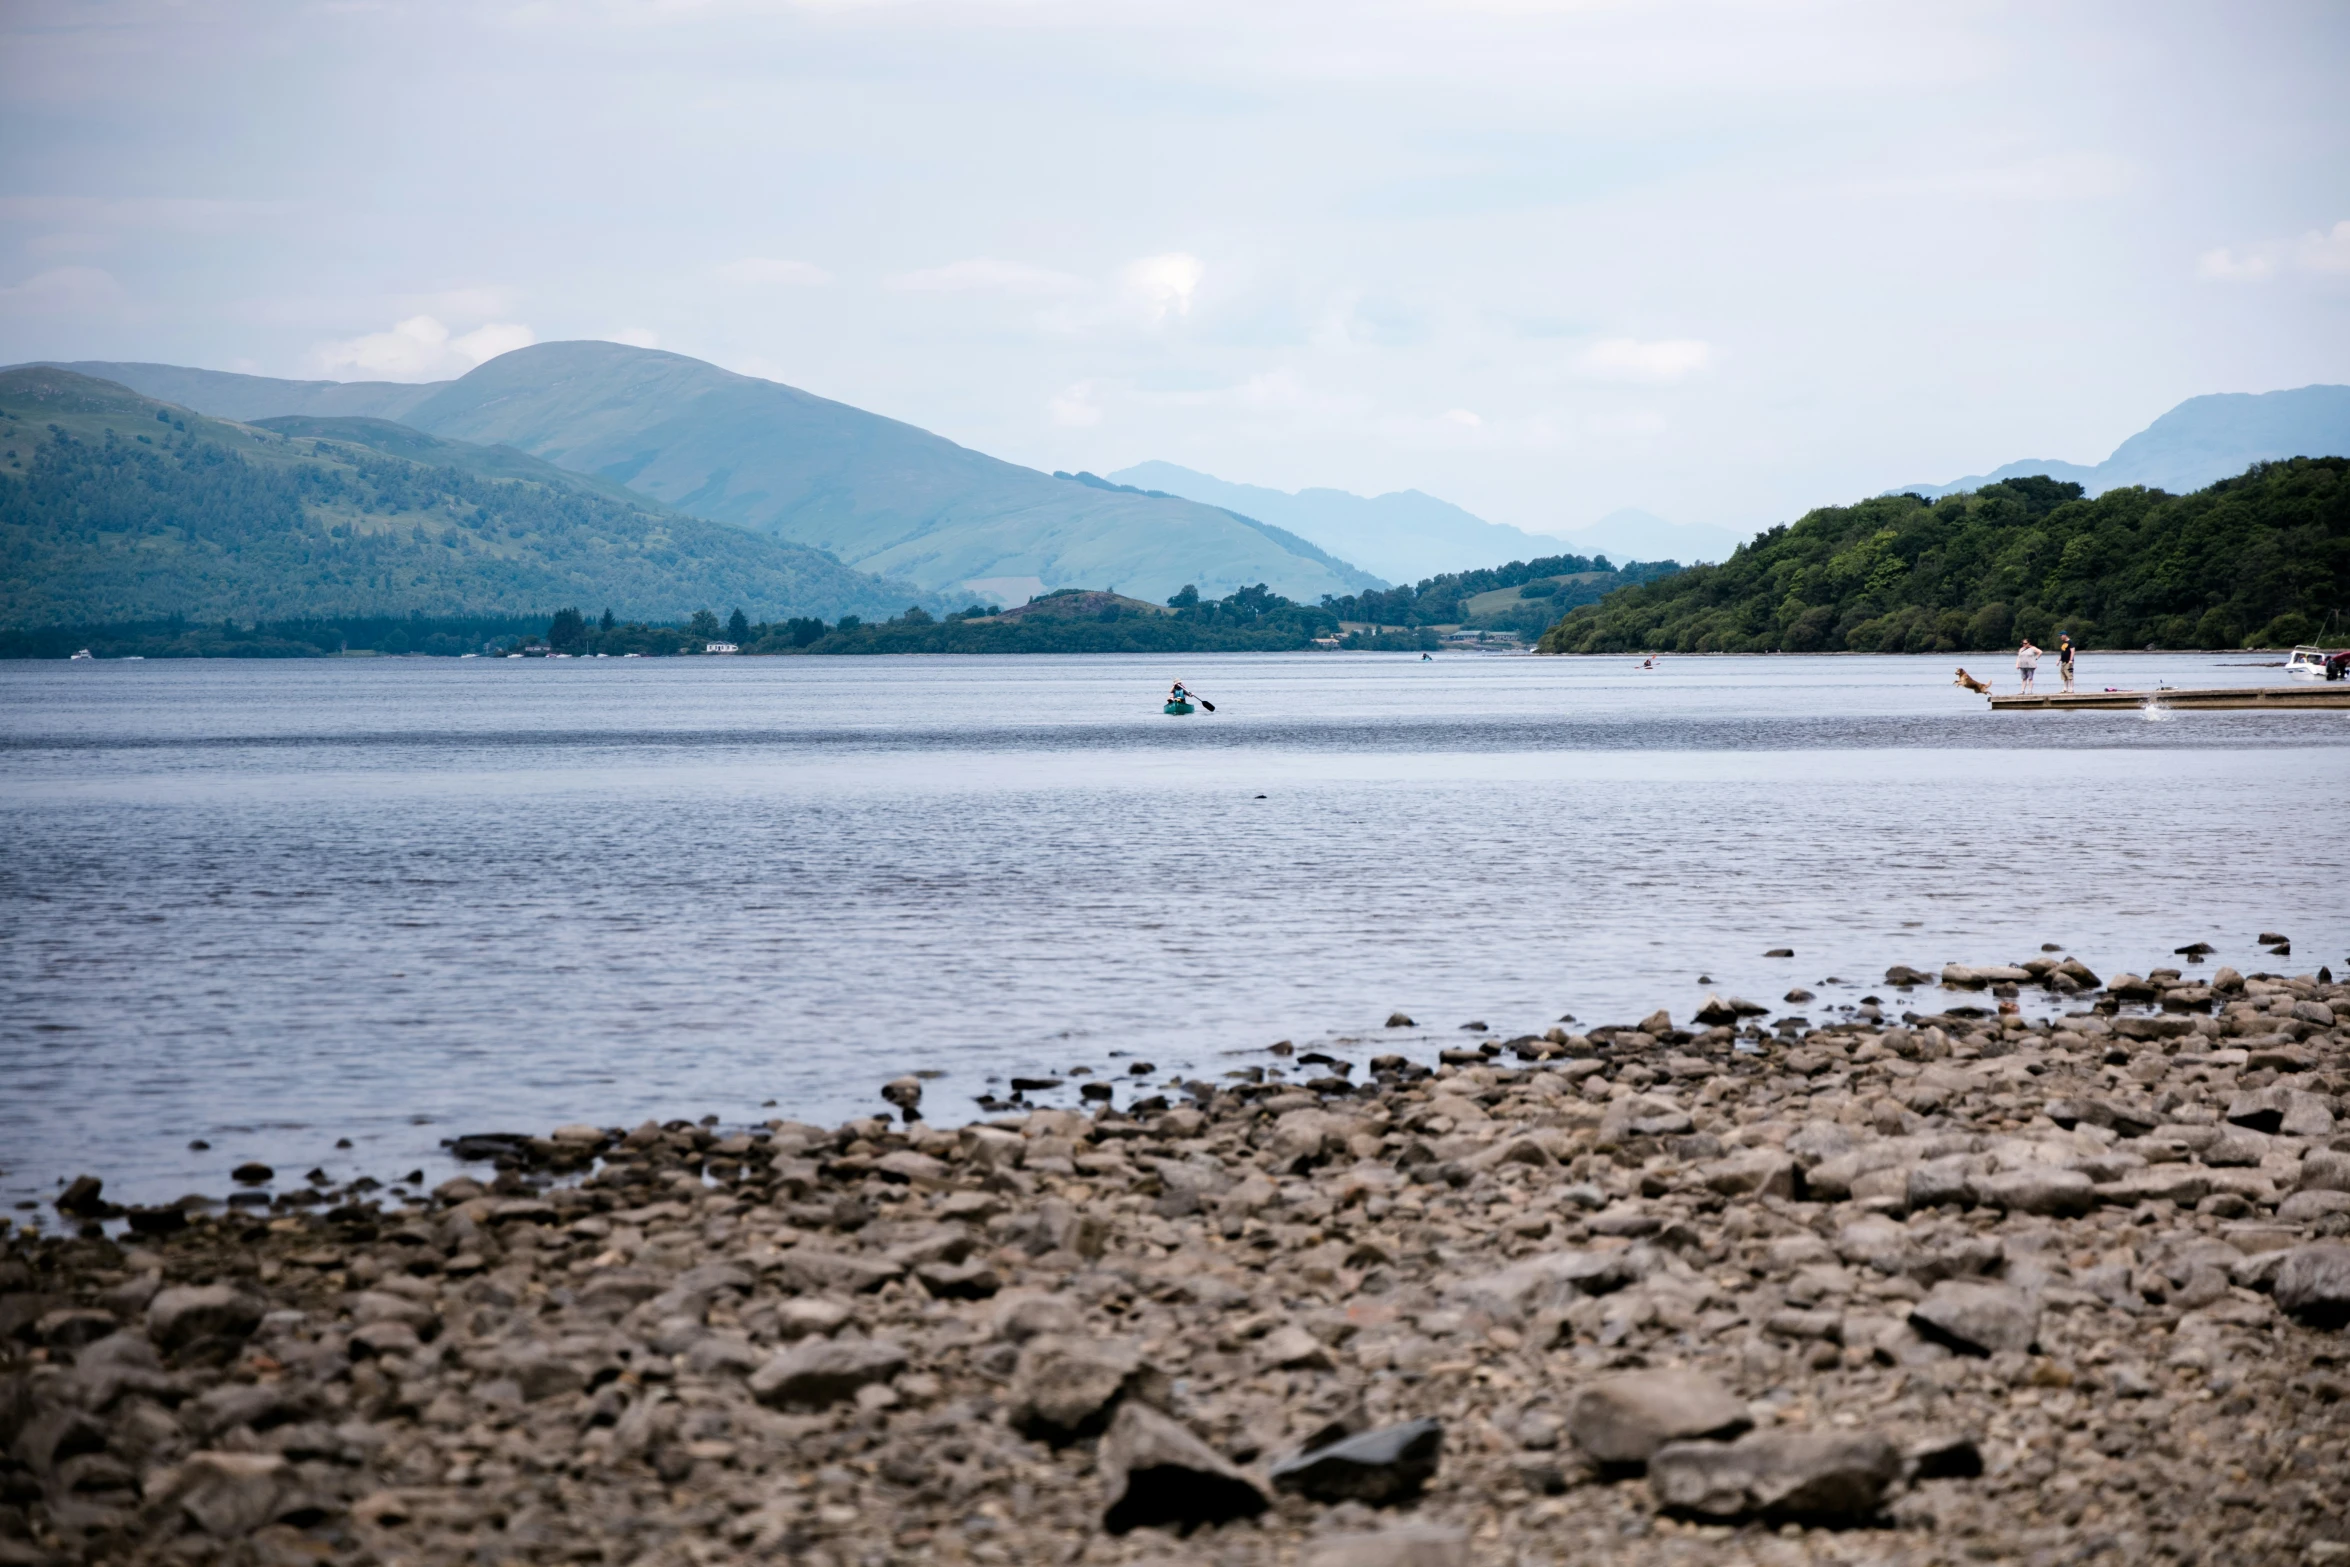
[(985, 275), (1462, 417), (770, 270), (2322, 251), (1163, 284), (420, 348), (638, 337), (2225, 266), (62, 291), (1078, 406), (2325, 250), (498, 337), (1629, 359)]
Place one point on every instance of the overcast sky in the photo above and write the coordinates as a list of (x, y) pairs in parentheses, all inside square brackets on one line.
[(1723, 261)]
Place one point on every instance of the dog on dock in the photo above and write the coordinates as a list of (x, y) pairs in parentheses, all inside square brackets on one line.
[(1980, 687)]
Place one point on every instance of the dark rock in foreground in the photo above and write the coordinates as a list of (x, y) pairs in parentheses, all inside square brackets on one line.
[(1376, 1467)]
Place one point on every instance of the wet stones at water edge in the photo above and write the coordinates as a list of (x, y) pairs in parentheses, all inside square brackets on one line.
[(1965, 1287)]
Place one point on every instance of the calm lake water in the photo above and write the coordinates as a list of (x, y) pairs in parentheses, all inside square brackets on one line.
[(270, 905)]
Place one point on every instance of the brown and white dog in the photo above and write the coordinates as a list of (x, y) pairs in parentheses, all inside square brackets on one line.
[(1971, 683)]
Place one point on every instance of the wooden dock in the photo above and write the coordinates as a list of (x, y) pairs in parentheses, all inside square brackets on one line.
[(2316, 695)]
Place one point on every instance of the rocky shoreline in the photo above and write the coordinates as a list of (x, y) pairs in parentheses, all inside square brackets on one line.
[(1957, 1288)]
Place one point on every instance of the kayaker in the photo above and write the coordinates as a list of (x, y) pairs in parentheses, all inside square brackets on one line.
[(1176, 693)]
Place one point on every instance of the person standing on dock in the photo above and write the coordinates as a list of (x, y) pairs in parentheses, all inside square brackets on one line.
[(2027, 663), (2064, 659)]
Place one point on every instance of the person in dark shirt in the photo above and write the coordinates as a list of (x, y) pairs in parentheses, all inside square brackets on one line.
[(2064, 658)]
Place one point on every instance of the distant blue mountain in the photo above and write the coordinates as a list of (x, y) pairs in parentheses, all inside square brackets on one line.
[(1406, 536), (2203, 440)]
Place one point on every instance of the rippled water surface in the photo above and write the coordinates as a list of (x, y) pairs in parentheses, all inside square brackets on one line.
[(272, 905)]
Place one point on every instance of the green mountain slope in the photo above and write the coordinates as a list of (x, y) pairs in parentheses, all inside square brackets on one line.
[(2261, 560), (883, 496), (116, 507)]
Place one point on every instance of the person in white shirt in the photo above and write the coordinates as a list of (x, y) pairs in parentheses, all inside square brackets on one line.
[(2027, 660)]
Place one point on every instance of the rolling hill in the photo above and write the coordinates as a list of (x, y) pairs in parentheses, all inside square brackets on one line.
[(883, 496), (118, 507), (2201, 441)]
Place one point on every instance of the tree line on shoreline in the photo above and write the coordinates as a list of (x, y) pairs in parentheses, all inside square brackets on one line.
[(2259, 560)]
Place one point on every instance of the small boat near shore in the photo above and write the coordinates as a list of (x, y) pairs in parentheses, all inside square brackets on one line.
[(2309, 663), (1176, 709)]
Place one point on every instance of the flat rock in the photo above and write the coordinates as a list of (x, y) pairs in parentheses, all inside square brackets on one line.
[(1065, 1387), (1548, 1280), (1823, 1475), (1414, 1545), (818, 1372), (179, 1316), (2313, 1284), (1977, 1317), (2048, 1191), (1378, 1467), (1156, 1474), (812, 1272), (1622, 1419), (228, 1494)]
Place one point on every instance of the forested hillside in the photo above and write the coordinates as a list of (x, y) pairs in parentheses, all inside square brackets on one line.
[(2261, 560), (116, 508), (1523, 596)]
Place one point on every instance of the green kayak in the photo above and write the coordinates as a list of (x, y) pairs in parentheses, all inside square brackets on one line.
[(1178, 708)]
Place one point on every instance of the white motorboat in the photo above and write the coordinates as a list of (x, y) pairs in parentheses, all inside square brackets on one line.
[(2307, 663)]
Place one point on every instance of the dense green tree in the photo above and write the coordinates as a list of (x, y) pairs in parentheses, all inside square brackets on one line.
[(738, 628), (2261, 560), (704, 625), (567, 632)]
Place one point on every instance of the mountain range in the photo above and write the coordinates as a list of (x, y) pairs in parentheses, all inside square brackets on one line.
[(883, 497), (2201, 441), (1407, 535), (118, 508)]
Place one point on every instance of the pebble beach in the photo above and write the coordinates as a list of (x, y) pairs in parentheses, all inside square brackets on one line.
[(1936, 1283)]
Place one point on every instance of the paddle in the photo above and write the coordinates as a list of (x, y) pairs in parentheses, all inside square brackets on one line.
[(1205, 703)]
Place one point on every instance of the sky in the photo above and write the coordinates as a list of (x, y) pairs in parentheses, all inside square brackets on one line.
[(1721, 261)]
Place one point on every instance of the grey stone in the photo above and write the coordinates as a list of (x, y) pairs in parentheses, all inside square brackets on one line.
[(1064, 1388), (179, 1316), (1549, 1280), (230, 1494), (2325, 1170), (1414, 1545), (541, 1372), (1378, 1467), (1643, 1115), (1777, 1474), (817, 1372), (1157, 1474), (2040, 1190), (1976, 1317), (959, 1280), (812, 1272), (2313, 1284), (1622, 1419), (1024, 1315), (2262, 1109), (2306, 1207)]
